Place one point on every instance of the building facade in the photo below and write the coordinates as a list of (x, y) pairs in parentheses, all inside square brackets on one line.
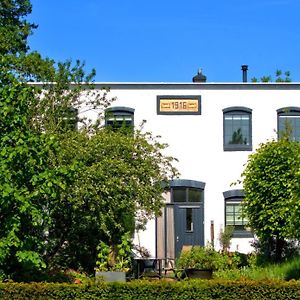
[(211, 128)]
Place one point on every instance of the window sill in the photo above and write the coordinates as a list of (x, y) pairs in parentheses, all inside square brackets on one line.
[(238, 148), (242, 234)]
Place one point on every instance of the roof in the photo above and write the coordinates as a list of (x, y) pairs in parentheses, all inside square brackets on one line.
[(196, 86)]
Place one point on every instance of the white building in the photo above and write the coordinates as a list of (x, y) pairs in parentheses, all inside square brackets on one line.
[(211, 128)]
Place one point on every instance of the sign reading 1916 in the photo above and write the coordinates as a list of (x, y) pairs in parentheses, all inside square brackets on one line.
[(178, 105)]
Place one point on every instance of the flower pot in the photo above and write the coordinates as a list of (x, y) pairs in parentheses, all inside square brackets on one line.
[(199, 273), (111, 276)]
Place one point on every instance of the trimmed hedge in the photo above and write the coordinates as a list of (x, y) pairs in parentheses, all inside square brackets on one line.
[(145, 290)]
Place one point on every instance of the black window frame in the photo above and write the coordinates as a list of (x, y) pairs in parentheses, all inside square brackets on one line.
[(237, 110), (234, 198), (290, 111), (112, 113)]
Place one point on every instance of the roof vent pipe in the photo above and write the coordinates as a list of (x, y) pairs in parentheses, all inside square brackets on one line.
[(200, 77), (244, 69)]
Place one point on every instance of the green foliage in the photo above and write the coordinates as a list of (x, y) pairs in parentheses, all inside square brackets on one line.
[(115, 258), (103, 257), (206, 258), (64, 188), (265, 250), (284, 271), (191, 289), (269, 183), (225, 237), (278, 77), (14, 29), (116, 181), (27, 181)]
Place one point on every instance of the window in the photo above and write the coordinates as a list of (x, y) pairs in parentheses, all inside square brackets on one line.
[(289, 120), (237, 128), (187, 194), (179, 194), (118, 117), (189, 220), (69, 118), (187, 191), (234, 214)]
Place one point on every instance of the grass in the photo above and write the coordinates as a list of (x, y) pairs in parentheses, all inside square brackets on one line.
[(284, 271)]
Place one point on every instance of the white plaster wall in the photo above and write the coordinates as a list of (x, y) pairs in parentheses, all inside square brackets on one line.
[(197, 140)]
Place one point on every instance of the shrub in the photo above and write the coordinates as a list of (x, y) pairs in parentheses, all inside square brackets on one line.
[(191, 289), (225, 237), (266, 250), (115, 258), (206, 258), (285, 271)]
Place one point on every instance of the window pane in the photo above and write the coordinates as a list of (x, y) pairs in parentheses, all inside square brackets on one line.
[(297, 129), (70, 118), (238, 220), (179, 194), (290, 123), (234, 215), (119, 117), (238, 210), (229, 208), (194, 195), (189, 219), (229, 220), (237, 129), (119, 121)]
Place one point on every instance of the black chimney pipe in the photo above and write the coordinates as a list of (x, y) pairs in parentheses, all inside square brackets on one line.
[(244, 69), (200, 77)]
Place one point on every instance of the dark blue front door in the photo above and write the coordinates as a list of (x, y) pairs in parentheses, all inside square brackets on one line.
[(189, 228)]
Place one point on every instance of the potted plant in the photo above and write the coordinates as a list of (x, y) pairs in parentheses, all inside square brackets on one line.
[(114, 261), (199, 262)]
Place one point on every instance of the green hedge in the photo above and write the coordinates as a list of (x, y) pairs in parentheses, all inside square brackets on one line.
[(144, 290)]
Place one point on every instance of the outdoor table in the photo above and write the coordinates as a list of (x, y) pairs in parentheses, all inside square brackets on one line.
[(148, 264)]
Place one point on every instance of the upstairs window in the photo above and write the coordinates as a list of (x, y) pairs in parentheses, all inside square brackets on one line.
[(68, 118), (289, 121), (237, 123), (119, 117)]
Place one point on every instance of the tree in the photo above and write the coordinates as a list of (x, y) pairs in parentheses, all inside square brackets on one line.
[(278, 77), (64, 190), (27, 180), (14, 29), (269, 180), (117, 187)]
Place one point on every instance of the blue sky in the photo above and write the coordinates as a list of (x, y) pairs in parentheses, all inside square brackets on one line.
[(167, 41)]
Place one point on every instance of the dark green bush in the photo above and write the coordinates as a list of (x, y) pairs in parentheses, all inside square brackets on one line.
[(207, 258), (144, 290), (266, 250)]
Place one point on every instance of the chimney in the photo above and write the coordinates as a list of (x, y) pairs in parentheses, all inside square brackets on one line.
[(244, 69), (199, 77)]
